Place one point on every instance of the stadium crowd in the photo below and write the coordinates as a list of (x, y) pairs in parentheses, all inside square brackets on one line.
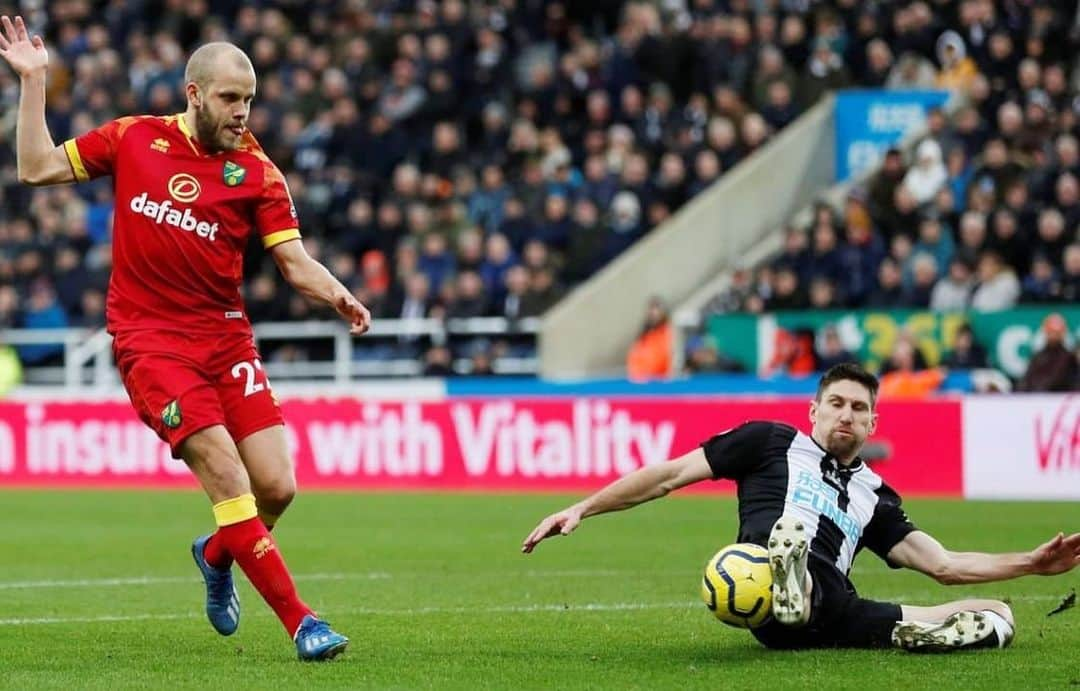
[(983, 215), (478, 158)]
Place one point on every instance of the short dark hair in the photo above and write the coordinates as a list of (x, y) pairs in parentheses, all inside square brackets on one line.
[(848, 371)]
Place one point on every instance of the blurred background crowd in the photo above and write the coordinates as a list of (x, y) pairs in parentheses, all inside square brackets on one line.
[(460, 159)]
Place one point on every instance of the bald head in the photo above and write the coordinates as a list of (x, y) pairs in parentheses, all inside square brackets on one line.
[(220, 86), (210, 60)]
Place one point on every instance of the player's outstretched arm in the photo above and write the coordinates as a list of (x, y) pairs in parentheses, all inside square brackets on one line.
[(640, 486), (923, 553), (314, 280), (40, 162)]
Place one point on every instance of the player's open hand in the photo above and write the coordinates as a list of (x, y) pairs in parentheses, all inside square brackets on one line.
[(562, 523), (26, 54), (1059, 555), (354, 312)]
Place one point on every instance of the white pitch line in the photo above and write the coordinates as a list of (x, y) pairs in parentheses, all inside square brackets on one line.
[(157, 580), (95, 620), (415, 611), (343, 576), (508, 609)]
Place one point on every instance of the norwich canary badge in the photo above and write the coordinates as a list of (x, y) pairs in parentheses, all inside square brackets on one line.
[(233, 174), (170, 416)]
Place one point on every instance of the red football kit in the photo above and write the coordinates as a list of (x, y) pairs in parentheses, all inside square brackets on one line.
[(182, 219)]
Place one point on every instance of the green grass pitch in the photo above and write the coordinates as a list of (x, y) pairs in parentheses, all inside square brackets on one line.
[(97, 591)]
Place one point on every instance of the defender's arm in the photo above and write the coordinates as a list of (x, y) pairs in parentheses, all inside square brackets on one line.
[(921, 552), (642, 485)]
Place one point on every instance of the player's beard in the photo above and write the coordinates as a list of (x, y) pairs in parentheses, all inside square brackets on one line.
[(843, 446), (209, 131)]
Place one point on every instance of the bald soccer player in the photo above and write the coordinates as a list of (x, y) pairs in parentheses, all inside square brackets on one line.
[(189, 190)]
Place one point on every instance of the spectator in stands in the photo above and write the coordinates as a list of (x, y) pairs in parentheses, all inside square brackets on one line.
[(953, 292), (544, 292), (9, 307), (973, 237), (42, 310), (438, 362), (470, 300), (957, 69), (1054, 367), (734, 297), (625, 224), (825, 254), (861, 255), (879, 62), (787, 293), (823, 294), (703, 357), (998, 287), (650, 356), (902, 250), (905, 374), (1052, 238), (1069, 291), (825, 71), (884, 183), (928, 174), (515, 302), (889, 292), (446, 117), (1011, 243), (832, 351), (1042, 284), (924, 280), (999, 168), (912, 71), (935, 241), (796, 255), (416, 300), (480, 360), (966, 352), (903, 218)]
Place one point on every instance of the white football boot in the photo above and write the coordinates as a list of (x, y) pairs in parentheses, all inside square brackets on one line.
[(788, 550), (985, 629)]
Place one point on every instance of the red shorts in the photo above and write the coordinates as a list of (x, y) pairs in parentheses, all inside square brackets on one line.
[(181, 383)]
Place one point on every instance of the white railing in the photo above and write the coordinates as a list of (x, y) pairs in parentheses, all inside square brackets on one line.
[(87, 354)]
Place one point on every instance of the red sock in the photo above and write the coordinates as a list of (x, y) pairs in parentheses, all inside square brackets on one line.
[(248, 541), (217, 555)]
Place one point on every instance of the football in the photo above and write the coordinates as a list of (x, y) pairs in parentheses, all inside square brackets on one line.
[(737, 585)]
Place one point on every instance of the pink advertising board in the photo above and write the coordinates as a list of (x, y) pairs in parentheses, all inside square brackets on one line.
[(519, 444)]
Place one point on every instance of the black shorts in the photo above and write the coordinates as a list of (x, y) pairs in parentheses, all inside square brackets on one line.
[(839, 618)]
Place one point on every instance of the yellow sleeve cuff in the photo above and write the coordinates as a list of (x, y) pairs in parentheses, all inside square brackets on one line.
[(75, 160), (280, 236)]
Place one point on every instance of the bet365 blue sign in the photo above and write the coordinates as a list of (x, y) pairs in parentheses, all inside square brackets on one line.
[(868, 122)]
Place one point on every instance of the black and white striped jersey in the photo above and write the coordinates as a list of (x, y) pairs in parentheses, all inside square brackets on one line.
[(781, 471)]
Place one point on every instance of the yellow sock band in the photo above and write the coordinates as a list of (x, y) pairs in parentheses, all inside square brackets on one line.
[(235, 510)]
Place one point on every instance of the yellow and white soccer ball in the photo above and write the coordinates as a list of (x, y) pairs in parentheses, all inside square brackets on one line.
[(737, 586)]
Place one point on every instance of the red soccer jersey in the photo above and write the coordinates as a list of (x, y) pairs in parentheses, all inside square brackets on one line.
[(182, 221)]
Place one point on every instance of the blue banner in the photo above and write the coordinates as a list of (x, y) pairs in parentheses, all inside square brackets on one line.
[(868, 122)]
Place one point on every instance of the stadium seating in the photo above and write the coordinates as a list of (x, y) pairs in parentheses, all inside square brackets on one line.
[(458, 141)]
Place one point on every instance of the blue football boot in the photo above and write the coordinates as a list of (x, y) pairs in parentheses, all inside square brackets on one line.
[(222, 604), (315, 640)]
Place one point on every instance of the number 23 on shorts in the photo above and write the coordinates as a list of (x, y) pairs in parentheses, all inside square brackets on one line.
[(250, 372)]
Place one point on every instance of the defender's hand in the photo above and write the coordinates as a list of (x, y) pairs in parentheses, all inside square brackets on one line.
[(562, 523), (1059, 555), (26, 54), (354, 312)]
